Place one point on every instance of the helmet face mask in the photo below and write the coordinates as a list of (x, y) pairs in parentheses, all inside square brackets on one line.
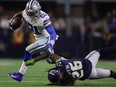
[(33, 8), (33, 15)]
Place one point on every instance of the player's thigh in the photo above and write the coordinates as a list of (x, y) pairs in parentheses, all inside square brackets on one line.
[(93, 57), (37, 45)]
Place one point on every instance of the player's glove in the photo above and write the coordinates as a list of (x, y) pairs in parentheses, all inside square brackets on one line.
[(10, 24), (30, 62)]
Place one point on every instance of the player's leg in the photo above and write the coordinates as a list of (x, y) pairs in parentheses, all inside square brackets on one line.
[(29, 52), (93, 57), (106, 50), (102, 73)]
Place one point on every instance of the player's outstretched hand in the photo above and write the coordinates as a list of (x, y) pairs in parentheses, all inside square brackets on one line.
[(30, 62)]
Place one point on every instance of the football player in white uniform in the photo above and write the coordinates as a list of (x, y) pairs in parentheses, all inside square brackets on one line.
[(45, 35)]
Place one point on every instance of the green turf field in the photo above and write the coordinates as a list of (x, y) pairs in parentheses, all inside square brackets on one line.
[(36, 75)]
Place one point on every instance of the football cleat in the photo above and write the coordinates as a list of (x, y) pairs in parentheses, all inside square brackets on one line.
[(114, 76), (16, 76)]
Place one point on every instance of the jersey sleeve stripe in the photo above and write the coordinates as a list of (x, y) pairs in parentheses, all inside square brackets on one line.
[(46, 21), (47, 24)]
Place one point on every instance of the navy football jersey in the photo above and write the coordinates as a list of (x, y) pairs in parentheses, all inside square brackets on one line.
[(78, 69)]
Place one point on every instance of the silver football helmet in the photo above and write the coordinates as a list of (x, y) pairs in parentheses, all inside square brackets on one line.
[(33, 8)]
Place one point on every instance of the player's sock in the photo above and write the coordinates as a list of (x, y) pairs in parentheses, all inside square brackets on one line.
[(107, 50), (23, 68), (113, 74), (27, 56)]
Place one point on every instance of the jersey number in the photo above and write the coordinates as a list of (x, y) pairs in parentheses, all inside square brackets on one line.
[(34, 29), (76, 68)]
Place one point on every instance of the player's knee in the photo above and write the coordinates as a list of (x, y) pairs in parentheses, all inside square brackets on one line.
[(97, 50), (94, 52), (93, 75), (28, 48)]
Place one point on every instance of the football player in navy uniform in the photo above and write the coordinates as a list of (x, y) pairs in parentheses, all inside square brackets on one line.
[(45, 35), (67, 71)]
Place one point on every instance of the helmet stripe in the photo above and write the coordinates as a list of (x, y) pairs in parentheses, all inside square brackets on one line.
[(32, 8), (30, 4)]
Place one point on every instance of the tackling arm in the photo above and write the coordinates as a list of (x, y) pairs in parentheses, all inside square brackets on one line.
[(53, 57), (41, 57)]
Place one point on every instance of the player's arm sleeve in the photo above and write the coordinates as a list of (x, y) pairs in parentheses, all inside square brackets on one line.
[(51, 31)]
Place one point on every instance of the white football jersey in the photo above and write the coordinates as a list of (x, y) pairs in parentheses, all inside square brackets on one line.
[(38, 24)]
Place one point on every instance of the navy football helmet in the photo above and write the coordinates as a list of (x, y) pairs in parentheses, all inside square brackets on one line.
[(32, 8), (54, 76)]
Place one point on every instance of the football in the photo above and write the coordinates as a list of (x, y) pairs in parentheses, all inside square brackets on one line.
[(16, 22)]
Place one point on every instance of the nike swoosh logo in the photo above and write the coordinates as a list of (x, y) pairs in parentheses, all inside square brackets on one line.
[(13, 76)]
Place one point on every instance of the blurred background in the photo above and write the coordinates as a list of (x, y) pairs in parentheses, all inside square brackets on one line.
[(82, 26)]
